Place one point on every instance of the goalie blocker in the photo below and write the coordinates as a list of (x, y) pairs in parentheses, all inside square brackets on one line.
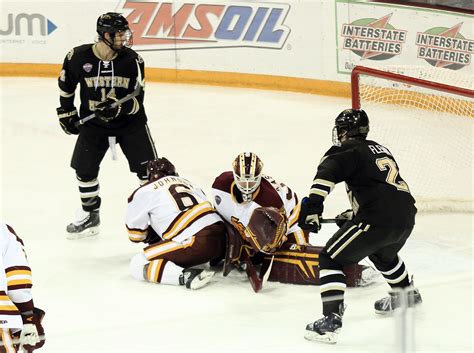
[(298, 264)]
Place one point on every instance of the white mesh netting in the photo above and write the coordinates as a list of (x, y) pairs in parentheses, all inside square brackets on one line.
[(430, 133)]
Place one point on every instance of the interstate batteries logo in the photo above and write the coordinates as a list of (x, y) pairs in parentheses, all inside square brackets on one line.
[(165, 25), (445, 47), (372, 38)]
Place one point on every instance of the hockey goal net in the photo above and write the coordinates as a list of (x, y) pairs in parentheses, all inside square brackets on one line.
[(425, 117)]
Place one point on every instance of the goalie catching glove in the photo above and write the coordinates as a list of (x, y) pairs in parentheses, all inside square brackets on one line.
[(266, 230), (107, 110)]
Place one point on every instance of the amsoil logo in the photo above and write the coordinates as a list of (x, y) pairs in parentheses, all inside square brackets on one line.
[(445, 47), (372, 38), (164, 25)]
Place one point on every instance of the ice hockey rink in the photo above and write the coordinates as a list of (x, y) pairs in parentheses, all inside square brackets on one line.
[(92, 304)]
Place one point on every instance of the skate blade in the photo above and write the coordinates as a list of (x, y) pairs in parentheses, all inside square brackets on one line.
[(89, 232), (204, 279), (330, 337), (384, 313), (396, 310)]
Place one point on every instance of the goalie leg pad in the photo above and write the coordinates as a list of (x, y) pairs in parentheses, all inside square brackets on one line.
[(293, 263), (299, 264)]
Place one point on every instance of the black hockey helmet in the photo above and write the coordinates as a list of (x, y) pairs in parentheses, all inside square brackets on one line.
[(113, 22), (159, 168), (350, 123)]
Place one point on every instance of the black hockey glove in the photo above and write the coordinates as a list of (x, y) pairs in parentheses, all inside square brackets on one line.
[(106, 111), (342, 218), (310, 213), (152, 236), (67, 119)]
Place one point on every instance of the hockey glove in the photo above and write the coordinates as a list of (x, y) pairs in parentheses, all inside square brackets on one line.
[(152, 236), (106, 110), (266, 230), (310, 214), (32, 335), (67, 119), (342, 218)]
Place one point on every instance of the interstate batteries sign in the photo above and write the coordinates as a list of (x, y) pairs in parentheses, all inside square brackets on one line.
[(165, 25), (382, 34)]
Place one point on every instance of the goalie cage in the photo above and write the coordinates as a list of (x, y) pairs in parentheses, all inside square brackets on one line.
[(425, 117)]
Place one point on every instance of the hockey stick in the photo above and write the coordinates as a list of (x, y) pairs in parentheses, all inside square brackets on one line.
[(254, 279), (139, 86), (135, 93), (327, 220), (267, 273)]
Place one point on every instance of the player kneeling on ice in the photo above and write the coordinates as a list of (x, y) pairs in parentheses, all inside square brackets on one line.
[(261, 218), (173, 216), (20, 321), (382, 219)]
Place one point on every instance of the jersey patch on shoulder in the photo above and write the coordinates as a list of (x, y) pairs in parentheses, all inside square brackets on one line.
[(140, 59)]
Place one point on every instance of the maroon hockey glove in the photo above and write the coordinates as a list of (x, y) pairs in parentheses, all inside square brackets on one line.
[(266, 230), (107, 110), (67, 119), (33, 319)]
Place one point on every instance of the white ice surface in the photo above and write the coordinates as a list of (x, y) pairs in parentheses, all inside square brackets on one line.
[(91, 302)]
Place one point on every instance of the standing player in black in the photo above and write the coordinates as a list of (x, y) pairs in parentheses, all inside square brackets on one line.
[(381, 220), (106, 71)]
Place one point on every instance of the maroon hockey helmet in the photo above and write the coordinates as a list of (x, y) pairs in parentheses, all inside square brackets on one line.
[(247, 170), (160, 168)]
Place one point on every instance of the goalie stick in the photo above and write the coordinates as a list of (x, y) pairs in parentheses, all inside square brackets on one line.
[(254, 279), (139, 86)]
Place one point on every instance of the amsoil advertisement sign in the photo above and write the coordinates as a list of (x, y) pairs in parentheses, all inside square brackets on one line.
[(165, 25), (382, 35)]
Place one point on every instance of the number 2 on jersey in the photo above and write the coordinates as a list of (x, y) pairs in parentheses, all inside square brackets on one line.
[(390, 165)]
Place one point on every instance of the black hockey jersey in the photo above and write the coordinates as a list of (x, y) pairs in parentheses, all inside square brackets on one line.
[(99, 79), (376, 190)]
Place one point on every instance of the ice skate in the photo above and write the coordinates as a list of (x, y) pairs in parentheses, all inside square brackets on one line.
[(388, 304), (324, 330), (194, 278), (85, 225)]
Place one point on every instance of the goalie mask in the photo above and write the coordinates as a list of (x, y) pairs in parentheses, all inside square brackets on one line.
[(114, 24), (350, 123), (247, 170), (160, 168)]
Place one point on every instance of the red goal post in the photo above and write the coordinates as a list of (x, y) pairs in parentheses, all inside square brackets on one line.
[(425, 116)]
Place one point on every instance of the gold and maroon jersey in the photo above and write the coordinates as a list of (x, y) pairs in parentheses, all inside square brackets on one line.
[(174, 207), (230, 205), (15, 278)]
